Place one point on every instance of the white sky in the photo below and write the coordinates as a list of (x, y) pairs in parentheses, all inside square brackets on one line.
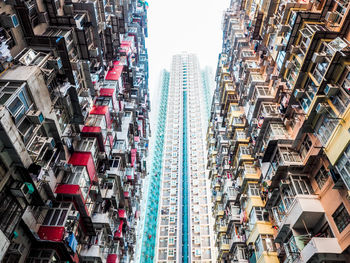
[(182, 25)]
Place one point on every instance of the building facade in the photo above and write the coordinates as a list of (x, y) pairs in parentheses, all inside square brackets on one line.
[(178, 218), (278, 137), (74, 129)]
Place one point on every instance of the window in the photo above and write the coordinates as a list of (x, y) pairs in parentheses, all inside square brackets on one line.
[(341, 218), (10, 213), (301, 185), (290, 156), (264, 243), (321, 177), (254, 189), (343, 166), (310, 92), (103, 101), (256, 214), (57, 215), (306, 146), (244, 150)]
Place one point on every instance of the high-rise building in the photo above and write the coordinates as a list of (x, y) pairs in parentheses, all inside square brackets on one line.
[(279, 133), (178, 217), (73, 129)]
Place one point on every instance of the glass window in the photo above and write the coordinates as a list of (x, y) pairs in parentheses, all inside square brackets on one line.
[(306, 146), (341, 218), (264, 243), (57, 216), (343, 166), (301, 185), (254, 189), (290, 156), (321, 177)]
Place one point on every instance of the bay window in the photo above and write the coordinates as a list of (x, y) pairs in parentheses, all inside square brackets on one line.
[(264, 243), (343, 166)]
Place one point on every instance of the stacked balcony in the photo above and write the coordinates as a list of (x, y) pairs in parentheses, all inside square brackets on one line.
[(74, 130), (283, 94)]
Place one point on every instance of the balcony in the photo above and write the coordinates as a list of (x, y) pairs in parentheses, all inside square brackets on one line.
[(224, 248), (304, 211), (221, 226), (320, 248), (103, 220), (217, 197), (94, 252), (236, 239), (244, 154), (219, 211), (283, 159)]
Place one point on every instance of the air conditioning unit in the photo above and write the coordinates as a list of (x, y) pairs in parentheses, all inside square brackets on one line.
[(23, 190), (35, 117), (321, 108), (318, 57), (16, 248), (50, 142), (67, 167), (330, 90), (79, 20), (8, 21), (73, 215), (331, 17), (298, 93), (55, 63), (284, 183)]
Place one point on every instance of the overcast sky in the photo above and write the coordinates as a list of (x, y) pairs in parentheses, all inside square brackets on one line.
[(182, 25)]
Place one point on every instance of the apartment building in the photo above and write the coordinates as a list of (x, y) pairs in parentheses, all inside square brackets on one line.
[(74, 129), (178, 222), (279, 133)]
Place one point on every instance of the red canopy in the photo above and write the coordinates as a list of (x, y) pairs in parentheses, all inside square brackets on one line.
[(119, 232), (106, 92), (121, 213), (115, 72), (133, 157)]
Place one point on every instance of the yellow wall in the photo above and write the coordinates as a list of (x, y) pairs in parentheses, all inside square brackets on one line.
[(339, 139)]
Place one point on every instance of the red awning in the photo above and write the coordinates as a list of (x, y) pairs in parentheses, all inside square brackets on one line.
[(99, 110), (115, 72), (52, 233), (92, 129), (122, 213), (133, 157), (106, 92), (119, 232), (112, 258), (84, 159), (126, 194)]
